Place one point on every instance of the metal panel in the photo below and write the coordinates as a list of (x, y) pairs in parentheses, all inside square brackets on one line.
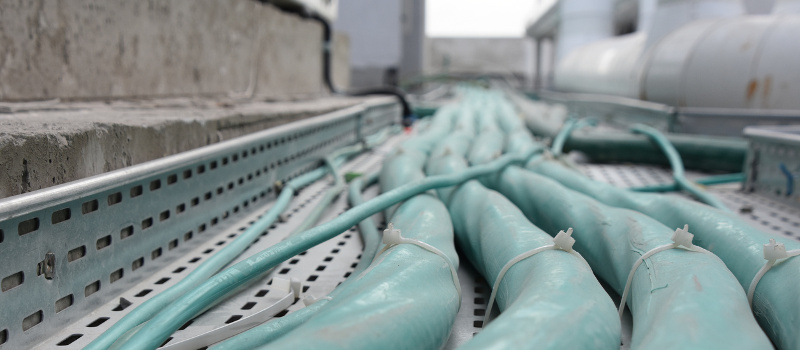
[(66, 250), (773, 163), (321, 268)]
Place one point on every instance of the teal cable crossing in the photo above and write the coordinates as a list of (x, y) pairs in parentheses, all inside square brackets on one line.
[(218, 287), (676, 163)]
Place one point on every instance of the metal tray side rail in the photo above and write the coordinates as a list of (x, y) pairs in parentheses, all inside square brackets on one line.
[(70, 248)]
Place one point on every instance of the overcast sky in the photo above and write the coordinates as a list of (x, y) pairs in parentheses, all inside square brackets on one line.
[(484, 18)]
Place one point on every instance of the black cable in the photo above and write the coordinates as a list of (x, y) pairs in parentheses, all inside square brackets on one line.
[(327, 47)]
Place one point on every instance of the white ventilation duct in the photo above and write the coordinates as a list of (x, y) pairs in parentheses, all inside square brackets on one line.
[(783, 7), (696, 54), (746, 62), (583, 22), (673, 14)]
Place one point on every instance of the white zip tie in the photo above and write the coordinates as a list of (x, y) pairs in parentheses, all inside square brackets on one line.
[(310, 299), (291, 288), (681, 238), (392, 237), (562, 241), (772, 253)]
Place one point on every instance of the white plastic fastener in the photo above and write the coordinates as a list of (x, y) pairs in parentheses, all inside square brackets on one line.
[(683, 237), (680, 238), (773, 251), (393, 237), (562, 241), (310, 299), (282, 284), (296, 286)]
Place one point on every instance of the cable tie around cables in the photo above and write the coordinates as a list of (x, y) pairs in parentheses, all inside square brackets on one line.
[(392, 237), (310, 299), (562, 241), (290, 289), (681, 238), (773, 252)]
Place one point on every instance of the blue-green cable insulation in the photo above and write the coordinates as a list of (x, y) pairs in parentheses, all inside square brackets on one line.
[(550, 300), (392, 304), (569, 126), (679, 299), (189, 305), (676, 163), (706, 181), (406, 300), (128, 324), (276, 328), (154, 305), (775, 302), (370, 237), (266, 333), (698, 152)]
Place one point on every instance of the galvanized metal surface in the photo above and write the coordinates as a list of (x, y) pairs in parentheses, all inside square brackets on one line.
[(321, 268), (773, 163), (100, 237), (766, 213)]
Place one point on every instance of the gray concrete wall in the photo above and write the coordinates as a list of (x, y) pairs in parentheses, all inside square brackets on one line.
[(89, 49), (506, 56)]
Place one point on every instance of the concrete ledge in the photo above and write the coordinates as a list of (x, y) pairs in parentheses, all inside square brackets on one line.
[(96, 49), (42, 145)]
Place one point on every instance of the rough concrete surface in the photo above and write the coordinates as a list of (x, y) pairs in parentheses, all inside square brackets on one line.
[(90, 49), (45, 144)]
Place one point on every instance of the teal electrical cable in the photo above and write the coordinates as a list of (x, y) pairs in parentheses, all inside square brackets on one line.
[(528, 193), (390, 304), (569, 126), (677, 167), (671, 291), (698, 152), (332, 193), (268, 332), (736, 242), (706, 181), (152, 306), (188, 306), (406, 300), (550, 300), (370, 237)]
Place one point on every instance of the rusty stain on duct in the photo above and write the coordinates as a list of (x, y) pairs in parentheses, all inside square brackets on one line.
[(751, 89), (765, 92)]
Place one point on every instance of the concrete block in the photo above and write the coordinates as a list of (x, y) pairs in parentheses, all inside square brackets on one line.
[(94, 49)]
